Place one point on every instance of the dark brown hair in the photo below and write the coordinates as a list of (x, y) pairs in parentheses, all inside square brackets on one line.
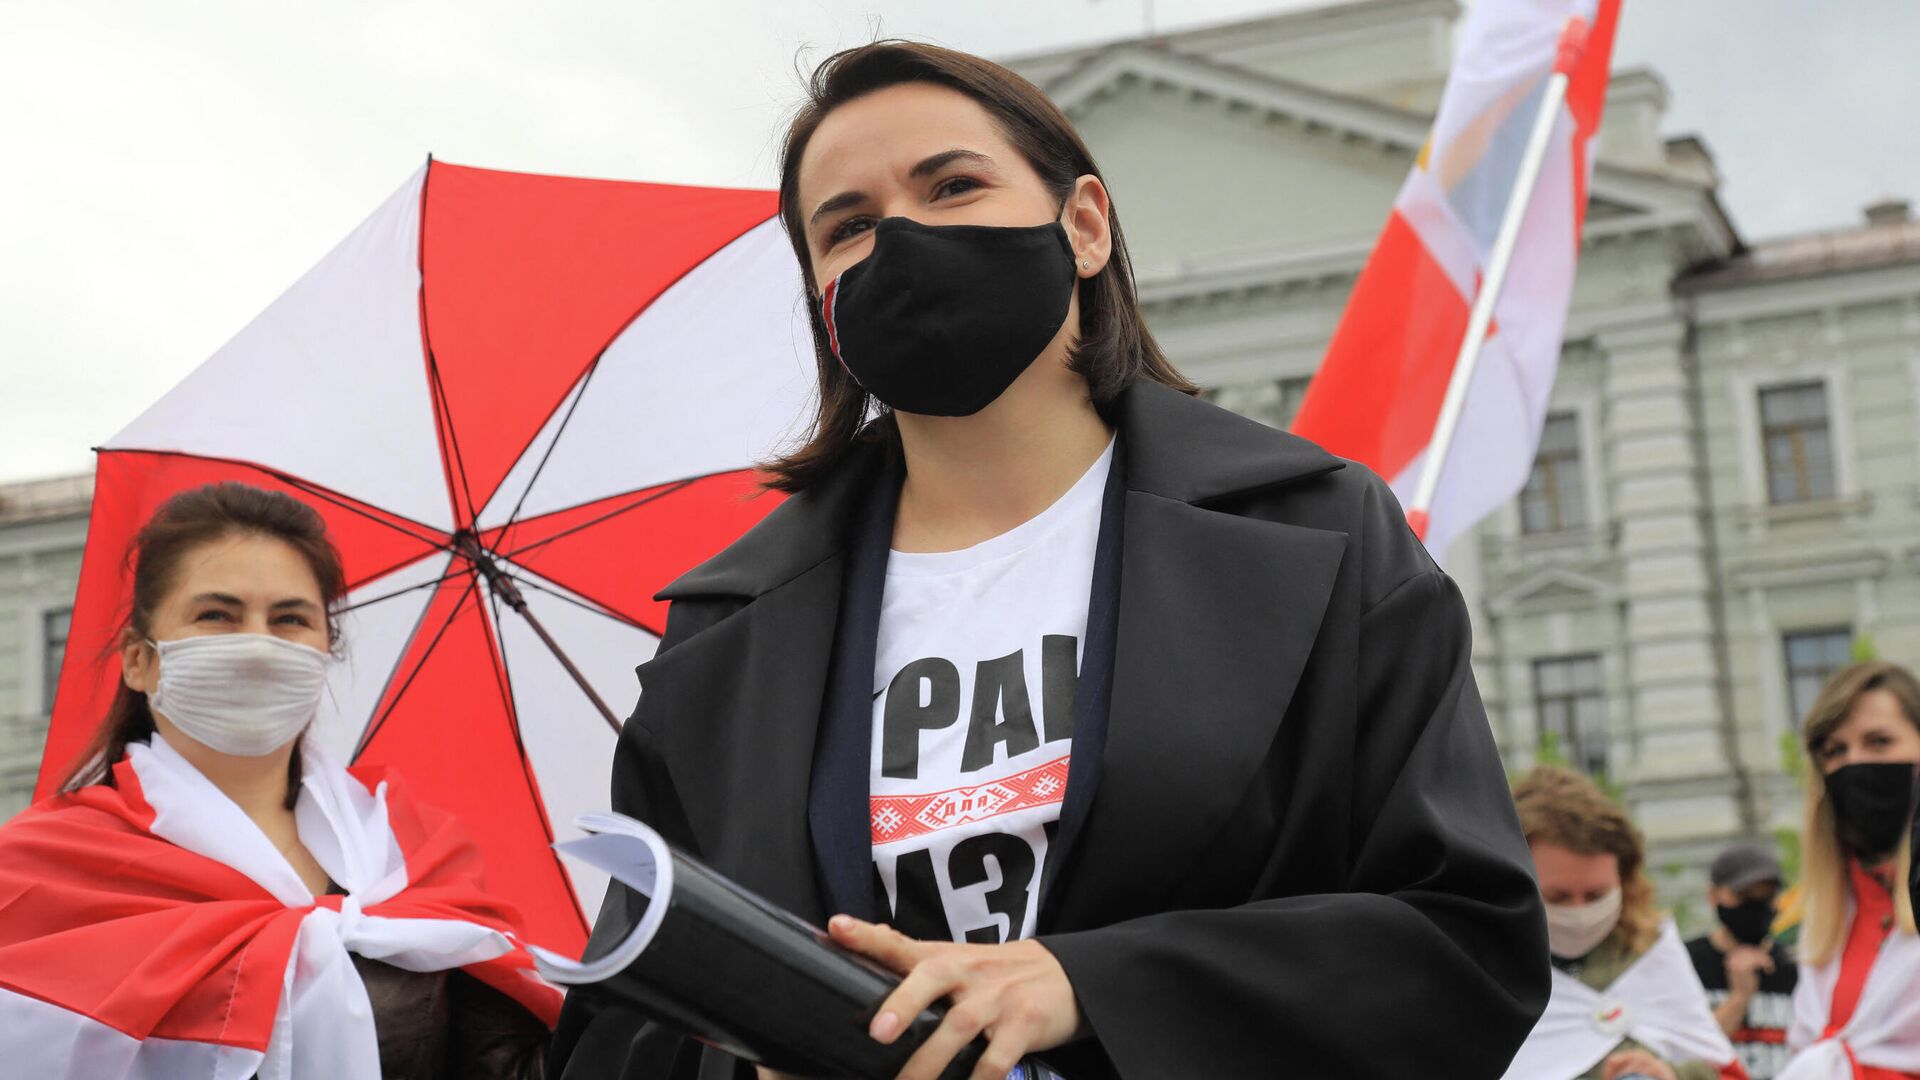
[(1561, 807), (1114, 348), (184, 523)]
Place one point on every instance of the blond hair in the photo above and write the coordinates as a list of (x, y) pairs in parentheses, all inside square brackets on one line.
[(1823, 874), (1561, 807)]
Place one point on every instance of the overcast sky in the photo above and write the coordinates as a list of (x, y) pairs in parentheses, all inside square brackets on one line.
[(169, 168)]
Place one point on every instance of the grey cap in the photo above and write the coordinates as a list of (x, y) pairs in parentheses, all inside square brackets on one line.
[(1743, 865)]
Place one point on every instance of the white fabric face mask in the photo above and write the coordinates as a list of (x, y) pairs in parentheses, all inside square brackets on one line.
[(241, 694), (1574, 930)]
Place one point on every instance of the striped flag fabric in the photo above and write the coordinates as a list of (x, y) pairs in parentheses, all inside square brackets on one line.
[(149, 930), (1378, 393)]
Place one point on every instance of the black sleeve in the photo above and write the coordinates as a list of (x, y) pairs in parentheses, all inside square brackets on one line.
[(1786, 971), (1708, 963), (1432, 963), (598, 1039)]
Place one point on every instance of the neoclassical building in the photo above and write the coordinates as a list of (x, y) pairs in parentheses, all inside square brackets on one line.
[(43, 526), (1726, 502)]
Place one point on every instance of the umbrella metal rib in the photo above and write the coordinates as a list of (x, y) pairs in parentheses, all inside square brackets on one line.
[(509, 594)]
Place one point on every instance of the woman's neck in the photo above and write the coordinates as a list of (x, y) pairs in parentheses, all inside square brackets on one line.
[(257, 785), (972, 478)]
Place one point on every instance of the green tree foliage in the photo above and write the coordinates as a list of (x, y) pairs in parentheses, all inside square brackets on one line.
[(1786, 840)]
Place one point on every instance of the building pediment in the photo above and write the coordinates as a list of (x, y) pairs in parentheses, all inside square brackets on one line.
[(1393, 50), (1216, 161), (1554, 588), (1101, 76), (1202, 169)]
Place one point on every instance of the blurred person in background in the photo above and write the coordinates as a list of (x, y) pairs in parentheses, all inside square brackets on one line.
[(1625, 1002), (1748, 974), (1856, 1011)]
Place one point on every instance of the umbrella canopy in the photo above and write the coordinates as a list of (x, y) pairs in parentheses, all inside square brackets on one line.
[(502, 391)]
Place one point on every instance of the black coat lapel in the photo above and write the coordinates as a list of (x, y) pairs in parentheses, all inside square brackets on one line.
[(1218, 615), (1093, 690), (737, 706), (837, 805)]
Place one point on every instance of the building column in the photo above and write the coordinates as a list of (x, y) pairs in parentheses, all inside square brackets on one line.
[(1683, 780)]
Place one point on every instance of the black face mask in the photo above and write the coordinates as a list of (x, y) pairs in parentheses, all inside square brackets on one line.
[(1750, 922), (1870, 803), (940, 319)]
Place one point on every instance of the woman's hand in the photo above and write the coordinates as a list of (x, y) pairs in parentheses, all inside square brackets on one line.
[(1016, 993), (1637, 1063)]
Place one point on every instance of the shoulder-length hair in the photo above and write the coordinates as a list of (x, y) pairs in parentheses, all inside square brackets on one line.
[(1823, 860), (1561, 807), (1114, 348), (185, 523)]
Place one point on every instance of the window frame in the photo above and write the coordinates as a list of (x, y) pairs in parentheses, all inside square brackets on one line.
[(1797, 432), (1797, 710), (1749, 452), (1572, 745), (51, 660), (1558, 502)]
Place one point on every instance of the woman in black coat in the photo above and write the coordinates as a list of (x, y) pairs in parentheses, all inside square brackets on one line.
[(1284, 843)]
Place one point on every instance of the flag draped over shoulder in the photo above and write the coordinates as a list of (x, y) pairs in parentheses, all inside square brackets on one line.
[(1657, 1002), (150, 929), (1378, 393)]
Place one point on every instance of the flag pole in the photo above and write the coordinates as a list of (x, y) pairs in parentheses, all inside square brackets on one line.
[(1573, 41)]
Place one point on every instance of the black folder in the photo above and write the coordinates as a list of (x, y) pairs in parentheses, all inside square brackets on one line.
[(737, 972)]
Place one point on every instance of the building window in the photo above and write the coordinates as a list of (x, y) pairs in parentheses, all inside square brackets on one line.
[(1292, 393), (1554, 497), (1272, 402), (54, 626), (1812, 658), (1572, 707), (1797, 442)]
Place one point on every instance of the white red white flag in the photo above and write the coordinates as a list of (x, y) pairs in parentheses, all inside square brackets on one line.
[(1657, 1002), (150, 930), (1883, 1034), (1377, 396)]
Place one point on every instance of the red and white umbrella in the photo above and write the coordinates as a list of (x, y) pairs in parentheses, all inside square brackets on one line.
[(504, 392)]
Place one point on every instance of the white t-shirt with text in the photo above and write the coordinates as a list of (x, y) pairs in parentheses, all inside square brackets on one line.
[(975, 667)]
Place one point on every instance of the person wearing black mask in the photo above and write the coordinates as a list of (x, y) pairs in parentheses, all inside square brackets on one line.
[(1142, 734), (1748, 975), (1856, 1011)]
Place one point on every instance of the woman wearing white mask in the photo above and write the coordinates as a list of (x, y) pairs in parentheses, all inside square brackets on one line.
[(1856, 1013), (1626, 1001), (211, 895)]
